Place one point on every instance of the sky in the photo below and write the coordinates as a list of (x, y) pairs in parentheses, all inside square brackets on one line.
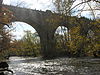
[(38, 5), (47, 5), (33, 4)]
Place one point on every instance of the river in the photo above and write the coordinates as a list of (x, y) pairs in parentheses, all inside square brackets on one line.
[(58, 66)]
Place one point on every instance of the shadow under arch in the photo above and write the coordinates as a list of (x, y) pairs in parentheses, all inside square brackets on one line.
[(29, 39)]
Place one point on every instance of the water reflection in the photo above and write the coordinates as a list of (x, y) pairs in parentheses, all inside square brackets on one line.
[(60, 66)]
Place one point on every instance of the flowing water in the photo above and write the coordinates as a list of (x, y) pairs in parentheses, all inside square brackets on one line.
[(59, 66)]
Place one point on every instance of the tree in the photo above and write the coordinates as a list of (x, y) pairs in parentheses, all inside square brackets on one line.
[(5, 19), (92, 46), (29, 45), (72, 6), (78, 33), (5, 37), (64, 6)]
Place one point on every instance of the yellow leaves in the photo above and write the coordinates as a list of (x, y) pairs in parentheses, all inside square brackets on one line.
[(72, 46), (75, 35), (5, 19), (97, 46), (75, 30)]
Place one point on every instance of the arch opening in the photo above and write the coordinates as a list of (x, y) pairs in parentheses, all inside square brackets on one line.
[(61, 37), (25, 40)]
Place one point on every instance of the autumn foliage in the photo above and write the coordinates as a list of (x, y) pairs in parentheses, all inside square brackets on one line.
[(5, 37)]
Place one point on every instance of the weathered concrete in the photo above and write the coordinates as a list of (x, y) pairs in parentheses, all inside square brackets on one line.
[(45, 23)]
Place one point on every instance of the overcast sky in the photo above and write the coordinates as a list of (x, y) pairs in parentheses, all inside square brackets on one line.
[(48, 5), (33, 4)]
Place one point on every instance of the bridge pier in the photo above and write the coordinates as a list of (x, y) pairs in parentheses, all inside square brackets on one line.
[(47, 44)]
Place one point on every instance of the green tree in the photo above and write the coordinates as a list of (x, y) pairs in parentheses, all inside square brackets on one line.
[(31, 43), (92, 46)]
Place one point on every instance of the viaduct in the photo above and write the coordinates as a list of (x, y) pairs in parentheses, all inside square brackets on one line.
[(45, 23)]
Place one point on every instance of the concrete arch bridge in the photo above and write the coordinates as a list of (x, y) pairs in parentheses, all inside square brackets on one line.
[(45, 23)]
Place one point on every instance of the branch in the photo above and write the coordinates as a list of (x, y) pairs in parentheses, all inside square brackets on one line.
[(78, 5), (81, 10), (96, 1), (4, 24), (87, 10), (91, 10), (83, 3)]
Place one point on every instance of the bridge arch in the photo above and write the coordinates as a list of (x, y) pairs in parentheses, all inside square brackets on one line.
[(22, 29), (61, 37)]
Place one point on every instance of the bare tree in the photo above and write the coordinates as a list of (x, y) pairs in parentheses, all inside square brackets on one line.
[(69, 6)]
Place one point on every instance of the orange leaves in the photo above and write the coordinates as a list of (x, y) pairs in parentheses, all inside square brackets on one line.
[(6, 15)]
